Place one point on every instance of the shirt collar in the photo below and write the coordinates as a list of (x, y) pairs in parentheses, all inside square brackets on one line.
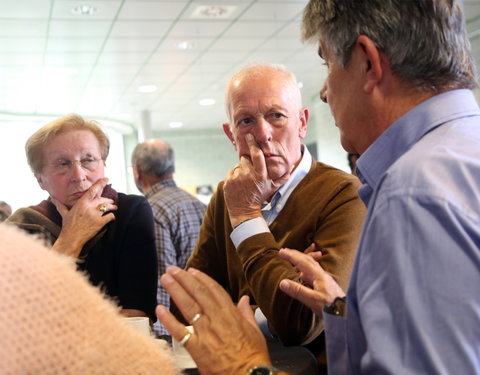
[(408, 129), (159, 186), (282, 194)]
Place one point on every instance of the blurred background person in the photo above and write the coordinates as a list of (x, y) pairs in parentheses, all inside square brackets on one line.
[(110, 234), (5, 210), (177, 214)]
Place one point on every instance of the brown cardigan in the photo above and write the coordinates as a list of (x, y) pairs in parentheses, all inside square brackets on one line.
[(324, 208)]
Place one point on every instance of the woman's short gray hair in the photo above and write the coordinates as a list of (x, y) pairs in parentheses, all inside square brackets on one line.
[(36, 142), (425, 40)]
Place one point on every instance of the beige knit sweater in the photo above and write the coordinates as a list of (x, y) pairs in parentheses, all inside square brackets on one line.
[(52, 321)]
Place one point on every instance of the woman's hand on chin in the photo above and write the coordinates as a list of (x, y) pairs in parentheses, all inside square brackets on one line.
[(84, 219)]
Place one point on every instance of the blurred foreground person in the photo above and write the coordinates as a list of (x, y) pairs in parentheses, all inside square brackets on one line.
[(110, 234), (54, 322)]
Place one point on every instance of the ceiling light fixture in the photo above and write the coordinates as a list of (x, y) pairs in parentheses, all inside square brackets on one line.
[(146, 89), (176, 124), (300, 85), (213, 11), (185, 44), (84, 10), (207, 101)]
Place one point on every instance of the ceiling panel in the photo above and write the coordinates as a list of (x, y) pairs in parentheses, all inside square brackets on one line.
[(53, 61), (152, 10)]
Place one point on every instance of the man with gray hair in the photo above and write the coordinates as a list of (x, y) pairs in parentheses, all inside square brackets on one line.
[(399, 85), (177, 214), (310, 205)]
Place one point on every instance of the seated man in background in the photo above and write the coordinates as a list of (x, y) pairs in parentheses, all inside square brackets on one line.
[(311, 204), (177, 214)]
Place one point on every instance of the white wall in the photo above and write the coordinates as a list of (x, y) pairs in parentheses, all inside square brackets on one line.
[(201, 157)]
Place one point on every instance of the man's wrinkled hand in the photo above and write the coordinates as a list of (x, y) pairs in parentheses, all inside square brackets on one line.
[(248, 185), (323, 289), (227, 339)]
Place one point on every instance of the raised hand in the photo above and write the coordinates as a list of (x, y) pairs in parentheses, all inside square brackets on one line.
[(227, 339), (248, 185), (81, 222), (325, 289)]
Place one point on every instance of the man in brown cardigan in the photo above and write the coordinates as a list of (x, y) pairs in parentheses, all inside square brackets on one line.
[(311, 205)]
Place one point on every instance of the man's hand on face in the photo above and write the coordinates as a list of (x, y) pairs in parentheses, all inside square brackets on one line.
[(248, 185)]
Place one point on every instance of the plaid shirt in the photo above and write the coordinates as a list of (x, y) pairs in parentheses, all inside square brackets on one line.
[(178, 216)]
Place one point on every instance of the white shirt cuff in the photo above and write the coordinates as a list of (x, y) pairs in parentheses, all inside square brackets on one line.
[(263, 323), (248, 229)]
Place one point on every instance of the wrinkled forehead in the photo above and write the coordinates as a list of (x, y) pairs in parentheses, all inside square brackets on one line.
[(273, 88), (69, 141)]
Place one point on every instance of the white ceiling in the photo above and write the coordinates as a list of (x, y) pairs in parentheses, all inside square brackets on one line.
[(53, 62)]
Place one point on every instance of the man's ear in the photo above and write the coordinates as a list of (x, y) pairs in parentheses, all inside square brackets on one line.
[(228, 131), (136, 172), (302, 130), (371, 62), (39, 178)]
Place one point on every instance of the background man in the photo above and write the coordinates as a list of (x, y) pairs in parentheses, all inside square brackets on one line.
[(177, 214), (310, 203), (402, 100)]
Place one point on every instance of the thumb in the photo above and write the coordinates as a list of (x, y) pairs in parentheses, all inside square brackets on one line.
[(246, 311), (61, 208)]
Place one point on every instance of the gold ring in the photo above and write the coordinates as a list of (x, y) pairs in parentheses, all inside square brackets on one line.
[(102, 208), (185, 339), (195, 318)]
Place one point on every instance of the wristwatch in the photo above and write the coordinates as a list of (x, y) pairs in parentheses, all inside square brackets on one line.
[(263, 370), (337, 307)]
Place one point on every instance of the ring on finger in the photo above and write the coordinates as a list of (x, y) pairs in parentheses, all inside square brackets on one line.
[(102, 208), (185, 339), (196, 318)]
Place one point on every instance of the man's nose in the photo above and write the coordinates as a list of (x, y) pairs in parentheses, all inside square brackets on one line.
[(263, 131), (323, 93)]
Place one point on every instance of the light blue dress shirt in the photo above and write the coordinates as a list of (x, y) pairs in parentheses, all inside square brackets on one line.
[(413, 304)]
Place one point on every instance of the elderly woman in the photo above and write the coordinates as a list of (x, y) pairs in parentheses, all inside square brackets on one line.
[(110, 234)]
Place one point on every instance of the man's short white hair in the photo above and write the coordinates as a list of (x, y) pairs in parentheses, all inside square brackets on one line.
[(259, 69)]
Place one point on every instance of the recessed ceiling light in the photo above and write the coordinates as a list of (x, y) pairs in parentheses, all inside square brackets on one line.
[(61, 71), (176, 124), (185, 44), (214, 11), (207, 101), (84, 10), (145, 89), (300, 85)]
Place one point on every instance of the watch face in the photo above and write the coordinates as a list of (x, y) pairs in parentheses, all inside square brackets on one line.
[(262, 370)]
